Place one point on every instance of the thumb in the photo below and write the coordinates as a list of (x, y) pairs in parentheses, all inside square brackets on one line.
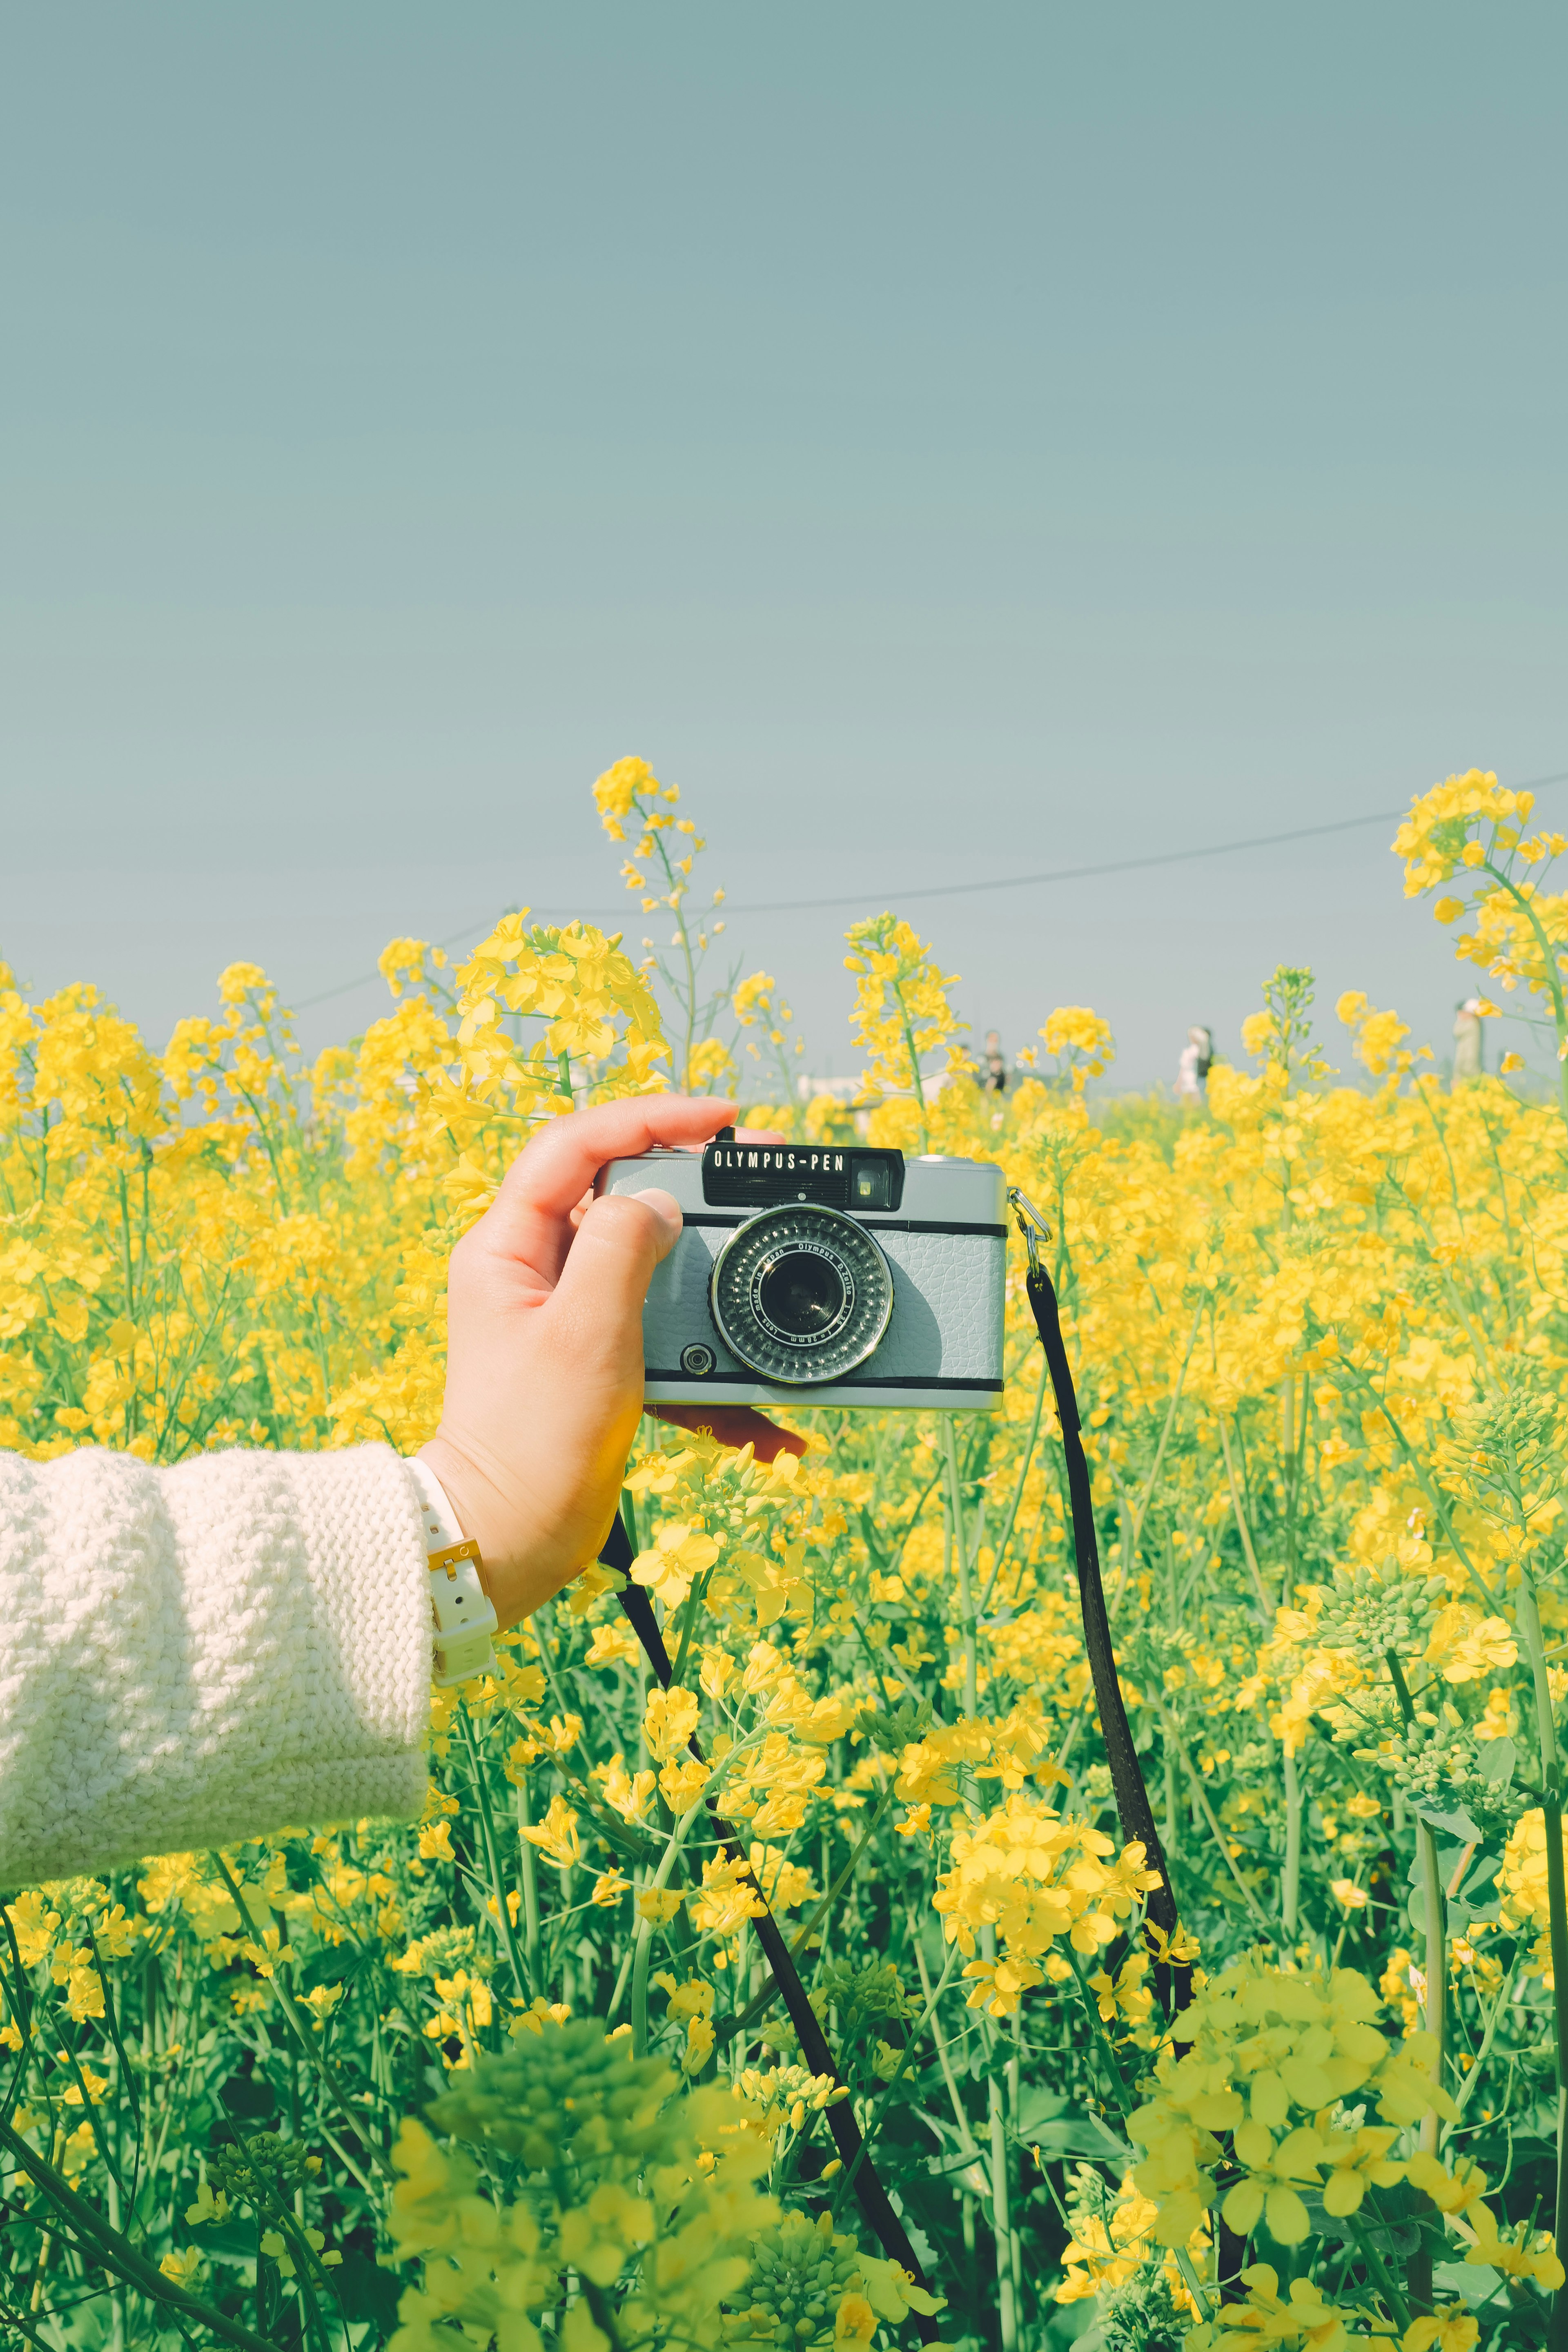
[(597, 1304)]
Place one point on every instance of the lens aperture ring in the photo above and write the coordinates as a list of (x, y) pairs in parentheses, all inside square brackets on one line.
[(800, 1294)]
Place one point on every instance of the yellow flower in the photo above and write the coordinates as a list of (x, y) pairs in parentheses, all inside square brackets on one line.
[(1452, 2192), (618, 789), (699, 2046), (1449, 2330), (323, 1999), (678, 1556), (613, 1644), (556, 1836), (854, 2322), (96, 2084), (1081, 1041), (275, 2245), (669, 1720), (1265, 2318), (36, 1926), (683, 1783), (1272, 2184), (1357, 2161), (1528, 2255)]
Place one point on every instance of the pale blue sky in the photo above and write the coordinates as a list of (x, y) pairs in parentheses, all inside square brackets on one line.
[(938, 437)]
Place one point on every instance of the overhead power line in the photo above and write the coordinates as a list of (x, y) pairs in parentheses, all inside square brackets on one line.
[(964, 890)]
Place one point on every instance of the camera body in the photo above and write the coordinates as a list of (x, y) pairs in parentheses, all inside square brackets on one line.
[(813, 1274)]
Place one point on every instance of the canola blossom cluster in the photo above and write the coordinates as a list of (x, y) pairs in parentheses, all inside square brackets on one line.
[(522, 2074)]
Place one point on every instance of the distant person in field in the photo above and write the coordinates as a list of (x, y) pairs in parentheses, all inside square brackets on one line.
[(1470, 1049), (994, 1067), (1193, 1069), (195, 1655)]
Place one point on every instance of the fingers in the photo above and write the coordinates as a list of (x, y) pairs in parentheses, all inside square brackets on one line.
[(598, 1301), (733, 1424), (530, 1218)]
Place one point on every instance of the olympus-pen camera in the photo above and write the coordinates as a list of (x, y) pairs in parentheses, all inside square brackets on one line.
[(821, 1274)]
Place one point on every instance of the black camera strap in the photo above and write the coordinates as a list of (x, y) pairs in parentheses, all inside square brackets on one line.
[(1173, 1978), (869, 2193)]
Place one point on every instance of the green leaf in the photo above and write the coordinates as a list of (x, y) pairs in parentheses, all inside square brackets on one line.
[(1079, 2136), (249, 2096), (1457, 1825), (335, 1964), (365, 2291)]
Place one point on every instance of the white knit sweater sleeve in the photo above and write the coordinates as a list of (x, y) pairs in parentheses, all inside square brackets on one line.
[(194, 1655)]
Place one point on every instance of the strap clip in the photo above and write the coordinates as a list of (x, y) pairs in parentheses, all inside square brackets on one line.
[(1031, 1224)]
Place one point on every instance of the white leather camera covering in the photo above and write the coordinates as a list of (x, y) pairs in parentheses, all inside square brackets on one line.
[(948, 1293)]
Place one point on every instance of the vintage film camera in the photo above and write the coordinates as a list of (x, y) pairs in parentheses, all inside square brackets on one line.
[(825, 1275)]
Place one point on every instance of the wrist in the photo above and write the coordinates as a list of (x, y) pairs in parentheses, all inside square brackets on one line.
[(481, 1516), (518, 1574)]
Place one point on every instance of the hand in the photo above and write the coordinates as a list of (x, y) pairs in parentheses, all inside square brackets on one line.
[(544, 1369)]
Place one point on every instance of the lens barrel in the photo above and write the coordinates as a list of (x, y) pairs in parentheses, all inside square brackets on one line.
[(800, 1294)]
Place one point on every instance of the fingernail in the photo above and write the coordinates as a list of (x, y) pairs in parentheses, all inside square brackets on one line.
[(664, 1204)]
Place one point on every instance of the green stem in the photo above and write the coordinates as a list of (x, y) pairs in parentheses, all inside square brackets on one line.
[(1006, 1534), (528, 1872), (912, 1052), (966, 2137), (302, 2035), (1196, 1783), (770, 1993), (1290, 1883), (1432, 1914), (1553, 980), (1243, 1530), (688, 1624), (1097, 2023), (1462, 2096), (1437, 1970), (965, 1597), (1528, 1617), (873, 2125), (1000, 2220), (1423, 1477), (520, 1977), (1148, 1492), (645, 1932), (116, 2255), (1380, 2271)]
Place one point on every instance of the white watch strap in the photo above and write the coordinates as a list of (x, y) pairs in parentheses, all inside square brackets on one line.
[(461, 1614)]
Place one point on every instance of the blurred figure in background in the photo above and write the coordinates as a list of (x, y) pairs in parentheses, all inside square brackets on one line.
[(1470, 1055), (993, 1065), (1192, 1070)]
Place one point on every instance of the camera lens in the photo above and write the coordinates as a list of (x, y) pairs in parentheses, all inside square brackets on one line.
[(801, 1295)]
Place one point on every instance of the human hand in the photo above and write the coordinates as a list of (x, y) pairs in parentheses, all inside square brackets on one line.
[(544, 1369)]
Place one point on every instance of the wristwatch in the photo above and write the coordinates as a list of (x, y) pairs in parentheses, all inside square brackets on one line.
[(462, 1615)]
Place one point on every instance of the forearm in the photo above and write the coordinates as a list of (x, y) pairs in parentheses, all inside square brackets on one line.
[(196, 1655)]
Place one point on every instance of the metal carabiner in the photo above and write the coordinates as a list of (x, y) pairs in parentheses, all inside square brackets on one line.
[(1031, 1224)]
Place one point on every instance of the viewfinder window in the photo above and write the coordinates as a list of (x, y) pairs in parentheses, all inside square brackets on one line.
[(872, 1185)]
